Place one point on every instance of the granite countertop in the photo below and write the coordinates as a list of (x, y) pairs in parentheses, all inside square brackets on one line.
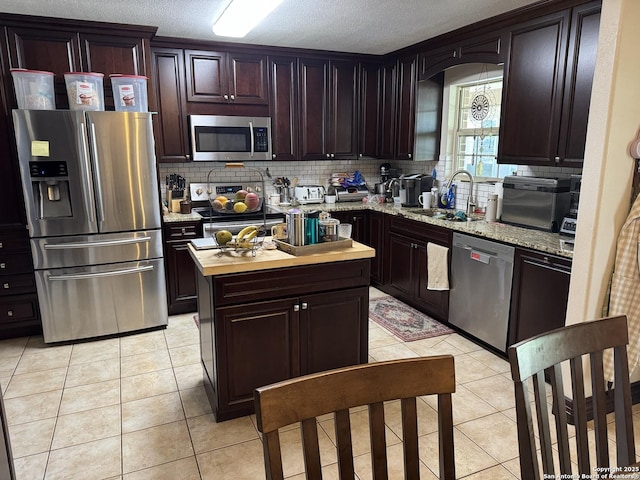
[(181, 217), (552, 243), (211, 262)]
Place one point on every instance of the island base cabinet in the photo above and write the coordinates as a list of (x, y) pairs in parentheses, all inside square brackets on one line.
[(254, 343)]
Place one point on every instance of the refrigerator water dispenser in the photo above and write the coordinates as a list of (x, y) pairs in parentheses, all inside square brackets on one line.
[(50, 188)]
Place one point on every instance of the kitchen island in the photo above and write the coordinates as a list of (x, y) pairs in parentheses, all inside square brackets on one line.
[(274, 316)]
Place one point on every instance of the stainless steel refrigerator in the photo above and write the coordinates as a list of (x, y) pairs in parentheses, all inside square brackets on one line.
[(93, 211)]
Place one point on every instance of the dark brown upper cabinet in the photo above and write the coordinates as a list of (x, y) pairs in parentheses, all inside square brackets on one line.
[(226, 77), (170, 126), (482, 49), (107, 50), (547, 88), (405, 112), (283, 107), (370, 110), (328, 109), (387, 114), (396, 103)]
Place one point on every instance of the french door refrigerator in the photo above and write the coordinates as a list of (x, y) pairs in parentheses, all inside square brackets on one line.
[(93, 211)]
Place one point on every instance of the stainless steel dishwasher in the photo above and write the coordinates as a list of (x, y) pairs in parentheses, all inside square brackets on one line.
[(480, 295)]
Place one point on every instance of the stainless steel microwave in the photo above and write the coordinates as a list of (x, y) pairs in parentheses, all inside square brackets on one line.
[(219, 138)]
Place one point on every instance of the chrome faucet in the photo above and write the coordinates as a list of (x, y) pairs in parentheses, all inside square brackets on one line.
[(470, 202)]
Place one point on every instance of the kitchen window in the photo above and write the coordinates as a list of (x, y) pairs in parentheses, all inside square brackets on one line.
[(472, 110)]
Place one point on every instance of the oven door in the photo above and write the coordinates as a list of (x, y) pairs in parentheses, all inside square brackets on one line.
[(223, 138)]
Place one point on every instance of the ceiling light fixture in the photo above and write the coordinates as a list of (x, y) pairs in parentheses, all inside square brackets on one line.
[(241, 16)]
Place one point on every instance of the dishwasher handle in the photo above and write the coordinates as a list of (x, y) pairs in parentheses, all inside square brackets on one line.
[(478, 255)]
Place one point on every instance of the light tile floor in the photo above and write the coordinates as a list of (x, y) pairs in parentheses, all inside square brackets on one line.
[(134, 408)]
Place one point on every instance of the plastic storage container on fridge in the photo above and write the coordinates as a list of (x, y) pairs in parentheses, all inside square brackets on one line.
[(129, 93), (85, 90), (34, 89)]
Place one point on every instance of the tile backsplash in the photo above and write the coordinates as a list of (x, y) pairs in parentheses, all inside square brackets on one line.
[(318, 172)]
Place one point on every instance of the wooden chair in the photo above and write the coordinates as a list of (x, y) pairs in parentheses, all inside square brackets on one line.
[(304, 398), (542, 355)]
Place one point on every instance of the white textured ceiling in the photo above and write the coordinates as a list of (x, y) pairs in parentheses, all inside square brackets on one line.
[(359, 26)]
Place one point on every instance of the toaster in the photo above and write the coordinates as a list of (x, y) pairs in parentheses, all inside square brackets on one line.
[(309, 194)]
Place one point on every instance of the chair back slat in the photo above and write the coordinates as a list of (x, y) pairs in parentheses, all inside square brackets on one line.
[(305, 398), (410, 438), (550, 353), (625, 443), (560, 413), (544, 430), (580, 415), (272, 458), (445, 437), (526, 439), (599, 408), (344, 444), (311, 449), (378, 441)]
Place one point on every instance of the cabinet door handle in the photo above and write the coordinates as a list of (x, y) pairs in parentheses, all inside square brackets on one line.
[(233, 97), (9, 313), (304, 305), (3, 265), (225, 96), (1, 245), (557, 159), (5, 286), (296, 308)]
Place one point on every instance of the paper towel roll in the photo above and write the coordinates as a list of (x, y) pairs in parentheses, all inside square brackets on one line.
[(498, 189), (492, 208)]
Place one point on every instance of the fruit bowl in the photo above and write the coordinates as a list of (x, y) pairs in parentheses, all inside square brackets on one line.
[(238, 205), (249, 239)]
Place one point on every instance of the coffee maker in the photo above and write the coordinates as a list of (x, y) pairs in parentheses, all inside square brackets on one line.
[(570, 221), (412, 186)]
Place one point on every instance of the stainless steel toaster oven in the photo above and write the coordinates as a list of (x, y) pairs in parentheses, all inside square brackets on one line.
[(535, 202)]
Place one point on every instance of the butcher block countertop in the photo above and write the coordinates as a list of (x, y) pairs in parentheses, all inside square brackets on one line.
[(209, 262)]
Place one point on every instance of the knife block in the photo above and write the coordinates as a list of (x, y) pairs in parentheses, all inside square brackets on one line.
[(174, 202)]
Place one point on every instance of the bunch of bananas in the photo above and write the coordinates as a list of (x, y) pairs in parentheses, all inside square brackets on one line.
[(244, 237)]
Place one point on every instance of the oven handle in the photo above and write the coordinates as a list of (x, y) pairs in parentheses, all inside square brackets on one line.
[(253, 149), (110, 273), (109, 243)]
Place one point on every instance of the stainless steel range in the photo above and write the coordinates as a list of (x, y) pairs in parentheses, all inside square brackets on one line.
[(214, 221)]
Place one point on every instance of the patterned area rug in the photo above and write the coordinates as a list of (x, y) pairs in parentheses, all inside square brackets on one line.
[(404, 321)]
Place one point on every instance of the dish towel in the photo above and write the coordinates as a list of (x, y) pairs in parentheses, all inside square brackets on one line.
[(437, 267)]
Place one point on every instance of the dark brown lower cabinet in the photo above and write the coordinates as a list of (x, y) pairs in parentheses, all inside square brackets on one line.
[(376, 240), (262, 327), (181, 272), (539, 293), (358, 221), (19, 312), (407, 273)]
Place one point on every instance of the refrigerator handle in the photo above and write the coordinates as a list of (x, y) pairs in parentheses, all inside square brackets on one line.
[(110, 273), (96, 174), (109, 243), (86, 192), (253, 146)]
